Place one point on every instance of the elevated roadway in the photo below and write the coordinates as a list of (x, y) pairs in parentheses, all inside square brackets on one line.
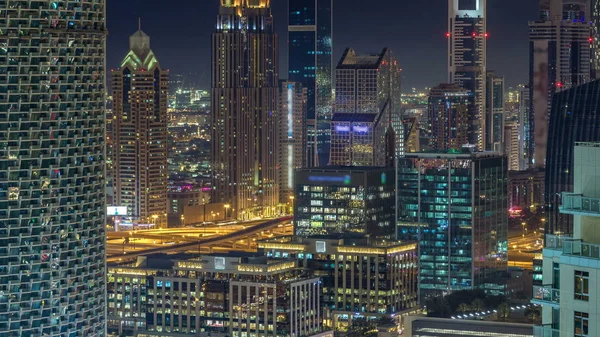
[(183, 239)]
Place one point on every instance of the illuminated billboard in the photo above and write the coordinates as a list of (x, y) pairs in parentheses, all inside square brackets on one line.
[(116, 210)]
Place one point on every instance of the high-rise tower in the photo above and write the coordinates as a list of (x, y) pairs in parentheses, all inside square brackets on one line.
[(559, 58), (52, 175), (244, 108), (370, 84), (467, 34), (140, 94), (310, 27)]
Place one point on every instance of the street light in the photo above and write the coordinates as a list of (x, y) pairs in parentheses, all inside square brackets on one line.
[(226, 210), (182, 220), (523, 224)]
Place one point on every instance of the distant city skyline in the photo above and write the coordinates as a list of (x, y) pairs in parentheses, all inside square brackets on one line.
[(182, 39)]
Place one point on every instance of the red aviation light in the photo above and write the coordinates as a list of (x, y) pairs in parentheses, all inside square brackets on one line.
[(486, 34), (474, 34), (591, 39), (447, 34)]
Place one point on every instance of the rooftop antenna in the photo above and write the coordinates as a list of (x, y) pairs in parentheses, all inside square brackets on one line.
[(139, 23)]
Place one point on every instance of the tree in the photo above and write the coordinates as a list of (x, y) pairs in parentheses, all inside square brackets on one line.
[(463, 307), (438, 307), (503, 311), (477, 304)]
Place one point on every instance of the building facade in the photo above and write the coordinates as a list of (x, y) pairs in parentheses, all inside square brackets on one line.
[(361, 278), (467, 35), (212, 295), (448, 110), (574, 118), (344, 200), (245, 98), (310, 32), (140, 95), (569, 291), (357, 139), (370, 84), (511, 145), (559, 58), (525, 134), (456, 207), (526, 188), (292, 136), (495, 112), (52, 169)]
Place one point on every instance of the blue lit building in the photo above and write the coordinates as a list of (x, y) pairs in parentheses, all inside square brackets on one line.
[(455, 205), (310, 63), (339, 200)]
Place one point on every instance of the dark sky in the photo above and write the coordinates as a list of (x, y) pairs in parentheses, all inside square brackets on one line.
[(413, 29)]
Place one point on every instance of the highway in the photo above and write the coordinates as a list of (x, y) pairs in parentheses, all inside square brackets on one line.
[(522, 249), (183, 239)]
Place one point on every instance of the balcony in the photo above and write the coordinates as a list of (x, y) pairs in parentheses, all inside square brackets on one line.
[(545, 331), (577, 204), (546, 295), (556, 241), (581, 249)]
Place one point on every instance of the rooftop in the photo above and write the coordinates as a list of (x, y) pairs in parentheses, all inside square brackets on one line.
[(352, 60)]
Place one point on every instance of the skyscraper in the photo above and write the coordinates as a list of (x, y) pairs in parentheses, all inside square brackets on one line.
[(574, 118), (467, 34), (140, 95), (455, 205), (525, 134), (370, 83), (244, 107), (52, 175), (559, 58), (292, 136), (358, 139), (495, 112), (310, 29), (448, 113), (511, 145), (568, 292)]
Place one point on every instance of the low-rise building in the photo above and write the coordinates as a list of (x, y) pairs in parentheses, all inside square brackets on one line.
[(444, 327), (213, 295), (361, 277)]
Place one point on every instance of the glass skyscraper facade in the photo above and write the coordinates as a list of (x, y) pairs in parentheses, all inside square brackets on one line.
[(574, 118), (52, 168), (310, 63), (456, 207)]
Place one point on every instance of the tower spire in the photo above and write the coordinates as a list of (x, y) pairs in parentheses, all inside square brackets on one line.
[(139, 23)]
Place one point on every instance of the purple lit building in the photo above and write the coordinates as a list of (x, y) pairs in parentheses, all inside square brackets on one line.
[(357, 139)]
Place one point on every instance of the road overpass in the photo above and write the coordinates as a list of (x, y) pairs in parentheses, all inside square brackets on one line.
[(235, 237)]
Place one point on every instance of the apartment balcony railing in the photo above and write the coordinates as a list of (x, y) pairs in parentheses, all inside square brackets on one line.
[(546, 295), (577, 204), (582, 249), (545, 331), (556, 241)]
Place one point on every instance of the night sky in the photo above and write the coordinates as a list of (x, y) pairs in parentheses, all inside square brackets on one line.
[(414, 30)]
